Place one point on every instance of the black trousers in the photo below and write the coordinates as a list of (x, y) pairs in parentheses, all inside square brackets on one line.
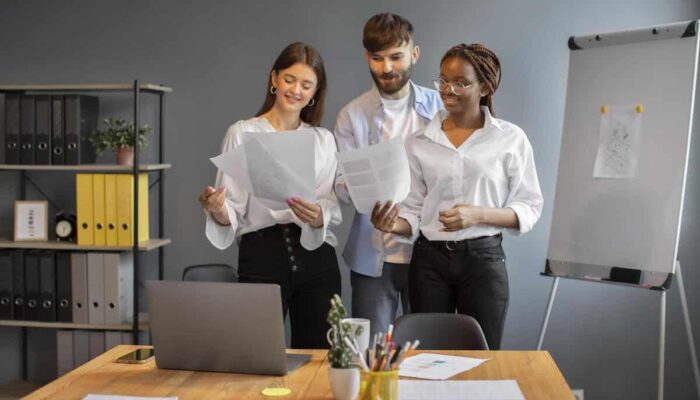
[(469, 276), (308, 279)]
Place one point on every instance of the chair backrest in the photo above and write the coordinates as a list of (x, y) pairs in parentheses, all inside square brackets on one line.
[(210, 273), (438, 331)]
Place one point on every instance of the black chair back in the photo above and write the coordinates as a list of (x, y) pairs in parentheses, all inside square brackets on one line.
[(210, 273), (440, 331)]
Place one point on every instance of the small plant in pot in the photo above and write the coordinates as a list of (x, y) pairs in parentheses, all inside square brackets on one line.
[(344, 377), (118, 136)]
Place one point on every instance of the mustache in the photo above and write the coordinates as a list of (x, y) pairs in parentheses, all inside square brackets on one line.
[(390, 75)]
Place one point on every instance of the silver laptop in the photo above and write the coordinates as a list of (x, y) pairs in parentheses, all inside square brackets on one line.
[(221, 327)]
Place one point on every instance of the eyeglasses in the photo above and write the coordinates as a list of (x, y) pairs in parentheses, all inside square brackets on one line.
[(456, 88)]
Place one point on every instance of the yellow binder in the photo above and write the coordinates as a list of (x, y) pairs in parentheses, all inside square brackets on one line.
[(111, 210), (98, 199), (83, 205), (125, 209)]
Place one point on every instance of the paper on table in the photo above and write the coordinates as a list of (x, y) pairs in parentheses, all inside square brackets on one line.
[(460, 390), (117, 397), (437, 366), (281, 165), (376, 173), (618, 143)]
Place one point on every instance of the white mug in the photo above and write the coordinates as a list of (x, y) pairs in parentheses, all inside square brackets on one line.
[(359, 330)]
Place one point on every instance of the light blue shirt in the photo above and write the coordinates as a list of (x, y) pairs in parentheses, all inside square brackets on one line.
[(359, 124)]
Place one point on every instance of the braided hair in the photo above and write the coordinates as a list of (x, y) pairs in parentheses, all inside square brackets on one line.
[(486, 65)]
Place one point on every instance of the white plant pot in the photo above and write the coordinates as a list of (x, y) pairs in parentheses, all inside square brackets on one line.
[(345, 382)]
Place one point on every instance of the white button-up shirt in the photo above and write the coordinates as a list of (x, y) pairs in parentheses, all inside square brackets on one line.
[(494, 167), (248, 214), (361, 123)]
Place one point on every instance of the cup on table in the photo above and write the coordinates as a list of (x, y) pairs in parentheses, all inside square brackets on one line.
[(359, 330), (379, 385)]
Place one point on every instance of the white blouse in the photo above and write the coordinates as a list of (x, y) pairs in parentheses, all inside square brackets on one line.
[(494, 167), (248, 214)]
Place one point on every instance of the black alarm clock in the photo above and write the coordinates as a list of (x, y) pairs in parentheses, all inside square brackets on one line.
[(66, 226)]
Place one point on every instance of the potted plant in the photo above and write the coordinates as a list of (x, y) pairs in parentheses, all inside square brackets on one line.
[(118, 136), (343, 376)]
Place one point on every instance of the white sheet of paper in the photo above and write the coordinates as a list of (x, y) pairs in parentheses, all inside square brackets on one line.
[(233, 163), (281, 165), (117, 397), (437, 366), (460, 390), (376, 173), (618, 144)]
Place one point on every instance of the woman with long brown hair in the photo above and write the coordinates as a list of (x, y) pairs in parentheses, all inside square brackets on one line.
[(472, 176), (293, 247)]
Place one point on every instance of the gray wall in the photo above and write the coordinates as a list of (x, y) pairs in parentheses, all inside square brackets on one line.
[(216, 56)]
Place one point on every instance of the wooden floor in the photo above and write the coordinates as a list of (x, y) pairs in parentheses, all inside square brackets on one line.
[(17, 389)]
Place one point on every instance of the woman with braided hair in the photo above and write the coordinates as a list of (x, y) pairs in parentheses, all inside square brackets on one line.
[(472, 176)]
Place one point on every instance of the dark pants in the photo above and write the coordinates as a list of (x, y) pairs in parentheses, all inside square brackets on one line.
[(469, 276), (308, 279)]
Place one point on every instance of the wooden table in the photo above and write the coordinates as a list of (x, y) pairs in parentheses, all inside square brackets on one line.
[(535, 372)]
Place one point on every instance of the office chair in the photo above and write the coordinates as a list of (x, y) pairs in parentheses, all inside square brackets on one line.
[(438, 331), (210, 273)]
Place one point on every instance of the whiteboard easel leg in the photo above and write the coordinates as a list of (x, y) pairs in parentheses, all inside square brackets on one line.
[(662, 344), (688, 329), (543, 329)]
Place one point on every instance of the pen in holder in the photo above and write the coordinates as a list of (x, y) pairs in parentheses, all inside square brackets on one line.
[(379, 385)]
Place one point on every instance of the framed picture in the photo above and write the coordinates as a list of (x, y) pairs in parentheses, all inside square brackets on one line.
[(31, 220)]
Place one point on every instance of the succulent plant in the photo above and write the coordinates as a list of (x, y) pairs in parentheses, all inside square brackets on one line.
[(339, 355)]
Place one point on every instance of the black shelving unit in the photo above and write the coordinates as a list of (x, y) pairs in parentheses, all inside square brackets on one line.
[(137, 89)]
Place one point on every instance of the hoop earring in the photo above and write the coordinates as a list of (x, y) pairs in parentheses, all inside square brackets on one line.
[(273, 90), (311, 103)]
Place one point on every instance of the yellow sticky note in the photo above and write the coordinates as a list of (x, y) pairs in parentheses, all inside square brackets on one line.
[(640, 108), (604, 109), (276, 392)]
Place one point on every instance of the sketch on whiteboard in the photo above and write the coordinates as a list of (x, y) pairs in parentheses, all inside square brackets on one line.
[(618, 145)]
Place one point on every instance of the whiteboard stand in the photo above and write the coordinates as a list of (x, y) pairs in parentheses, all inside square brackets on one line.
[(662, 329)]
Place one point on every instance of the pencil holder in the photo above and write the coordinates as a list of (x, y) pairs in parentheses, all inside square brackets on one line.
[(379, 385)]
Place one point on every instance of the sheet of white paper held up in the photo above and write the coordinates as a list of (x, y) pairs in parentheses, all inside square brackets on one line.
[(376, 173), (273, 166)]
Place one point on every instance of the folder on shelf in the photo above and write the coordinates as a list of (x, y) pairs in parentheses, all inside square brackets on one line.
[(58, 156), (98, 207), (111, 233), (42, 151), (47, 286), (80, 117), (27, 130), (125, 208), (84, 207), (6, 296), (18, 290), (64, 351), (81, 348), (96, 284), (118, 287), (64, 303), (12, 128), (97, 343), (115, 338), (79, 287), (32, 285)]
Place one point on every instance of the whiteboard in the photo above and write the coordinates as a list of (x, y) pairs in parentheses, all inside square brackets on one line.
[(625, 230)]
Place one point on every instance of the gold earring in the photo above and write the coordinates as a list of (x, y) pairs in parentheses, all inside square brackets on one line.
[(311, 103), (273, 89)]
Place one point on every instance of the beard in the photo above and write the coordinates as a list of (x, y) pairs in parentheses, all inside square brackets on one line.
[(392, 87)]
